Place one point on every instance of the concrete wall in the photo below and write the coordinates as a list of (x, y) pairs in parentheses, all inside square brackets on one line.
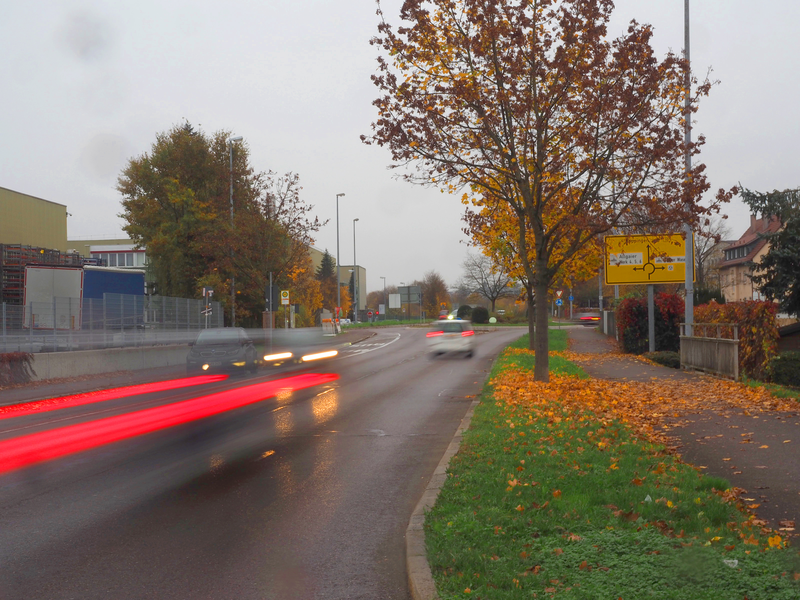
[(51, 365)]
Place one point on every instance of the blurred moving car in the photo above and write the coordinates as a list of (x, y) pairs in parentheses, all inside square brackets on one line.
[(451, 336), (443, 314), (590, 319), (222, 349)]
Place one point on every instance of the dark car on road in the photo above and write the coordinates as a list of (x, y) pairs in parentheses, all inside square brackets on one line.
[(222, 349)]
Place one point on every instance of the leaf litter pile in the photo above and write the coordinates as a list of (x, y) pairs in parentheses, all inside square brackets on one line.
[(567, 489)]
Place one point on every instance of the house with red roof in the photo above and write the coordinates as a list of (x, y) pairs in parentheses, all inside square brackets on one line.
[(737, 266)]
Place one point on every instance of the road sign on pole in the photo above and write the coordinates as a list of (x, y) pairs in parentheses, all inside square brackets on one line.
[(647, 259), (285, 297), (558, 293)]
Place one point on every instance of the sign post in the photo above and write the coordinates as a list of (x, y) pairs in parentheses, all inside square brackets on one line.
[(207, 293), (646, 259)]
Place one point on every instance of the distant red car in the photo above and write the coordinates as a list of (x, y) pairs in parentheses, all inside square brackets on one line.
[(443, 314), (590, 319)]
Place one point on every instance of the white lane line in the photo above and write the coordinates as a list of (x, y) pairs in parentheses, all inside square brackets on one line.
[(357, 350)]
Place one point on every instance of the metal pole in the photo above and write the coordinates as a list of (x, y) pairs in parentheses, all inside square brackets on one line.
[(385, 303), (338, 263), (689, 282), (355, 276), (570, 304), (651, 319), (238, 138), (600, 288), (233, 278)]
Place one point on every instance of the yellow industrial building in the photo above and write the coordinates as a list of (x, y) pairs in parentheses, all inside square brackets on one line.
[(31, 221)]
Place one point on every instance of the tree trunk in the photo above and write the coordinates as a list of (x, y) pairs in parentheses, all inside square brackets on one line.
[(530, 313), (541, 370), (493, 299)]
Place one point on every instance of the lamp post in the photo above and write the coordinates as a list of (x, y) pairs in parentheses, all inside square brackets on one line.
[(238, 138), (355, 276), (689, 257), (338, 262), (402, 308), (385, 304)]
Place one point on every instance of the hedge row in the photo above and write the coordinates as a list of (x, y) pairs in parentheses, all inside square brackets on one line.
[(758, 332), (631, 317)]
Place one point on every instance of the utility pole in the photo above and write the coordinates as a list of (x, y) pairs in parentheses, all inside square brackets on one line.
[(338, 262), (238, 138), (689, 283)]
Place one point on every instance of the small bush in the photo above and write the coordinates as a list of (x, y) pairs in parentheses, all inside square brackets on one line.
[(784, 369), (464, 311), (480, 315), (15, 367), (666, 358)]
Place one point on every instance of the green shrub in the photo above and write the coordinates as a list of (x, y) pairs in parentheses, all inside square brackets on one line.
[(784, 369), (480, 315), (464, 311), (666, 358), (15, 367)]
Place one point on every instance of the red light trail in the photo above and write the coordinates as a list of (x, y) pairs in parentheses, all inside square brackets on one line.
[(17, 410), (47, 445)]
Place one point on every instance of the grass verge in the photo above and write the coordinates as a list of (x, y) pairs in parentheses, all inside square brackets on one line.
[(546, 499), (779, 391)]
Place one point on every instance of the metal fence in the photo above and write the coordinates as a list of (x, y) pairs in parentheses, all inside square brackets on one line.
[(116, 320)]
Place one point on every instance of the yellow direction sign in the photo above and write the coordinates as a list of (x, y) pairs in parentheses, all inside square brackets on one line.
[(638, 259)]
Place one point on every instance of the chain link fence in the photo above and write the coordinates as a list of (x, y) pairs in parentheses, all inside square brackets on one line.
[(115, 321)]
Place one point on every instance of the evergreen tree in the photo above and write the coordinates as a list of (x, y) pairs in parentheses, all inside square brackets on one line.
[(777, 274), (327, 268)]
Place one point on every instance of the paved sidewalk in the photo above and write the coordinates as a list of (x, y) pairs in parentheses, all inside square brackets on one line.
[(757, 452)]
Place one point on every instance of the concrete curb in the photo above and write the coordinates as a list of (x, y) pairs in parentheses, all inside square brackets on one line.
[(420, 579)]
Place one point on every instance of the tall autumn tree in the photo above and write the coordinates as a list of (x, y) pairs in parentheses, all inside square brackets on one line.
[(529, 106), (434, 293), (177, 203), (173, 198)]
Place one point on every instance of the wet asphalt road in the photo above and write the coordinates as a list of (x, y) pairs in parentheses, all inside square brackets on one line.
[(305, 495)]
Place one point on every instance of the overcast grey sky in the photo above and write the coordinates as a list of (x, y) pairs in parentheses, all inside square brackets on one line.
[(86, 85)]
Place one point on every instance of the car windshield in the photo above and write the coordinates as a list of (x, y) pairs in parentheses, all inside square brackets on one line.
[(218, 336)]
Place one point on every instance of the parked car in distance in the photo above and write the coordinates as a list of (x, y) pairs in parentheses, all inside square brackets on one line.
[(590, 319), (222, 349), (451, 336)]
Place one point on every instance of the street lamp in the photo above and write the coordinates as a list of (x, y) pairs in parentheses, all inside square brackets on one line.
[(385, 304), (355, 276), (238, 138), (338, 262)]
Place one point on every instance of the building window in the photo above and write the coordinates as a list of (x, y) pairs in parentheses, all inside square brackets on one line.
[(129, 259), (112, 260)]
